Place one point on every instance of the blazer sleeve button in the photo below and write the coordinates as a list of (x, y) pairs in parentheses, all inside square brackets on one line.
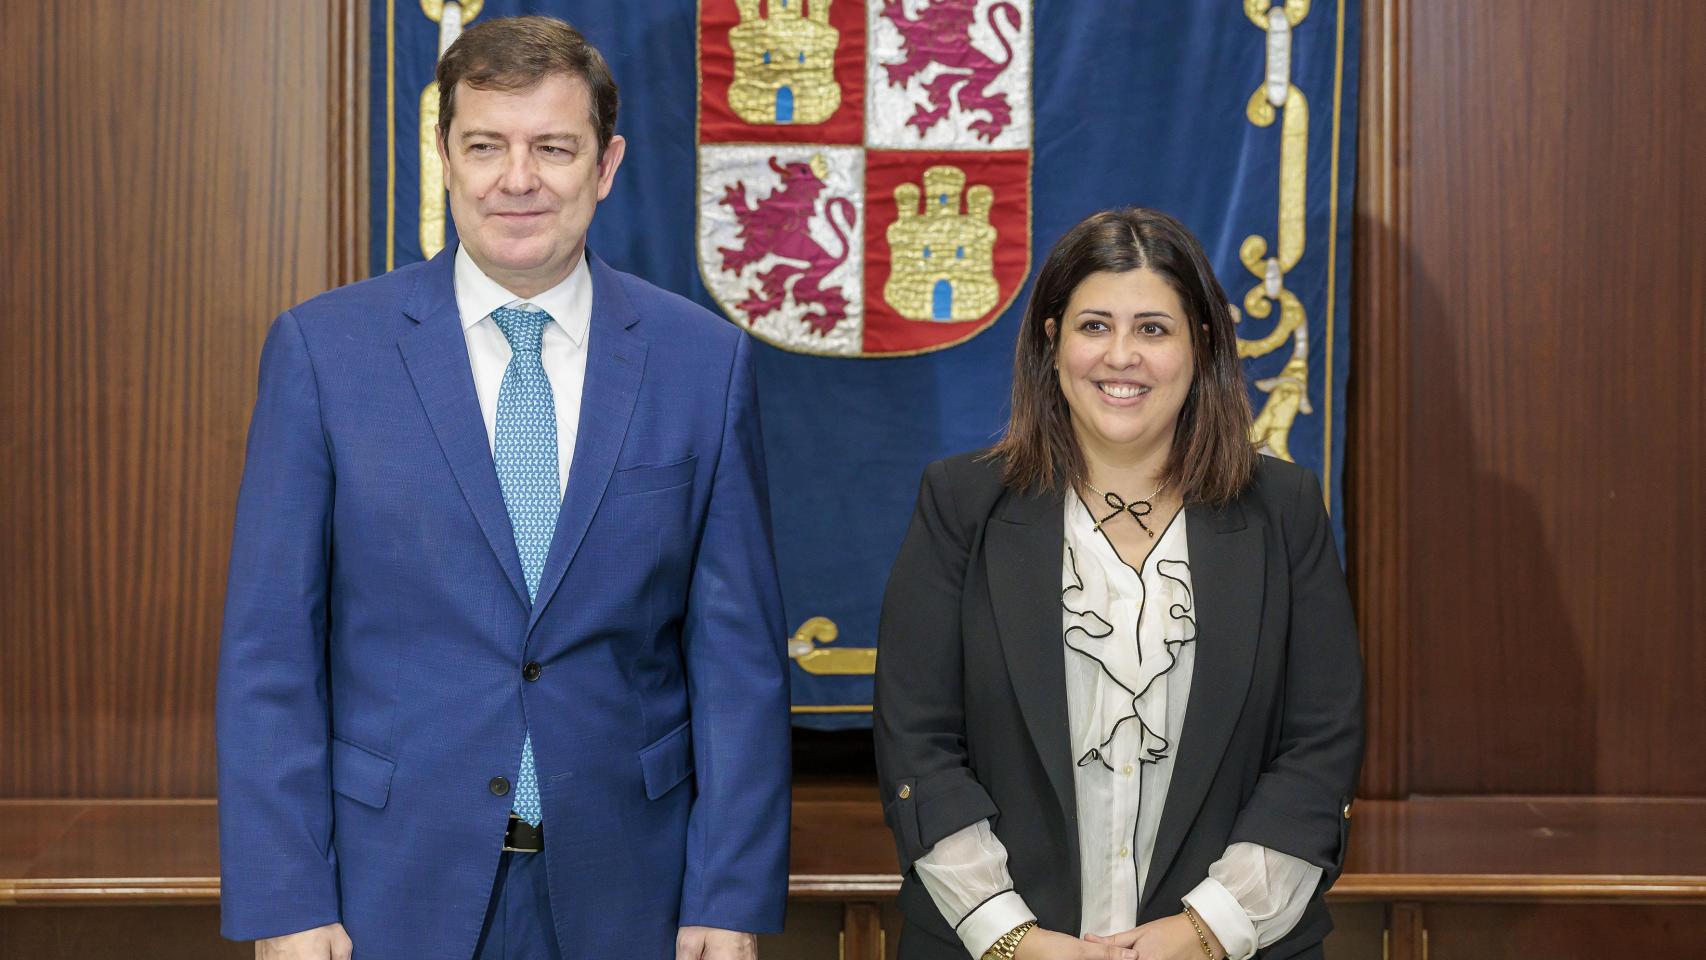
[(905, 790), (499, 786), (1347, 811)]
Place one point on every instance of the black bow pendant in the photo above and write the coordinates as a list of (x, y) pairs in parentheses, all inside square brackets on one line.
[(1138, 511)]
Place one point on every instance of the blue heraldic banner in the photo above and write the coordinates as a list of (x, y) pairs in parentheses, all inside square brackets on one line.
[(866, 186)]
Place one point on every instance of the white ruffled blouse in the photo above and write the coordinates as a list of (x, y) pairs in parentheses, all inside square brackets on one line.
[(1129, 642)]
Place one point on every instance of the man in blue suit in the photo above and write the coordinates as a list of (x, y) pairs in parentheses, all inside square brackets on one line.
[(502, 669)]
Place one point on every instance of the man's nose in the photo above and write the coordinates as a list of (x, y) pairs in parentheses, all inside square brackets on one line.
[(521, 175)]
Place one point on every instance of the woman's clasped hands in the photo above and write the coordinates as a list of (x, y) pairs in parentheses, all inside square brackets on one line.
[(1169, 938), (1042, 944)]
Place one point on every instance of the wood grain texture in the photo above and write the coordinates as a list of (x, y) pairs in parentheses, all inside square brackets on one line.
[(347, 113), (1376, 494), (1575, 850), (1406, 937), (1488, 932), (839, 846), (1473, 847), (862, 934), (1553, 449), (166, 184), (1359, 929), (131, 932)]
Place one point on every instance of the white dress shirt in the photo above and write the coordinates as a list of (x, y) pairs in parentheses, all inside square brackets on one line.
[(562, 347), (1126, 631)]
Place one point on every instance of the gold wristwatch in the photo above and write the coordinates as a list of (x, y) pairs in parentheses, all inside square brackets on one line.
[(1008, 944)]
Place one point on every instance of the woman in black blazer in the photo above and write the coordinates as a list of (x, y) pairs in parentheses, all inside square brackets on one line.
[(1118, 694)]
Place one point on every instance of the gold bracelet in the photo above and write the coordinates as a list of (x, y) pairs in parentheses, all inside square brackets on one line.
[(1008, 944), (1202, 937)]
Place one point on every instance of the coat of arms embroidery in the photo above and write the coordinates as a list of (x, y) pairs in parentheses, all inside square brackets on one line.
[(864, 169)]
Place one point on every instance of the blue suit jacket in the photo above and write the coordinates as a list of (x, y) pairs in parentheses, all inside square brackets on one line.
[(377, 624)]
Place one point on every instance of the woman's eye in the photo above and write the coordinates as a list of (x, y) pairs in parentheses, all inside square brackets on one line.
[(1093, 326), (1153, 329)]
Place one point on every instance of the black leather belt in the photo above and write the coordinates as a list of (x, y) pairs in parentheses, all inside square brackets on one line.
[(523, 837)]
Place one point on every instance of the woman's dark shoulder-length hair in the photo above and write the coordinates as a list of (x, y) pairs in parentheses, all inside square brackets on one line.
[(1212, 458)]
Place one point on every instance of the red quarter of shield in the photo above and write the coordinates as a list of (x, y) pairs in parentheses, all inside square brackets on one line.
[(947, 244)]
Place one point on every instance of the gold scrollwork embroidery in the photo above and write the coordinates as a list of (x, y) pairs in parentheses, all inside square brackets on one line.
[(432, 176), (1257, 11), (434, 9), (818, 661), (432, 213), (1288, 393)]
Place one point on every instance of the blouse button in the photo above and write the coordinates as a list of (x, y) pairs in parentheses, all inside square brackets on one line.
[(1125, 852), (1128, 769)]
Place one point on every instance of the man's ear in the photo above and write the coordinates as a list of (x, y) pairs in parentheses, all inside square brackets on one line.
[(607, 164)]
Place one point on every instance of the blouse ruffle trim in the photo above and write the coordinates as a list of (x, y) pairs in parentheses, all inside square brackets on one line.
[(1125, 689)]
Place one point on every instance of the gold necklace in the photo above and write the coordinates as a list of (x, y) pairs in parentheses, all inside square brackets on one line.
[(1138, 508)]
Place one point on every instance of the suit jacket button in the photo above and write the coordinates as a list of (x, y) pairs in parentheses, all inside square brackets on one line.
[(499, 786), (530, 672), (905, 790), (1347, 811)]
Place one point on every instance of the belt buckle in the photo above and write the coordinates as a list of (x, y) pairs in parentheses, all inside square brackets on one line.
[(522, 837)]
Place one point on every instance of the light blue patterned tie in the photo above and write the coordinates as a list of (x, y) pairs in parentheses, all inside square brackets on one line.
[(526, 456)]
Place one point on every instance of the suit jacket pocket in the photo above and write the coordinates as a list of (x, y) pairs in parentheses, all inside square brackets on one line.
[(667, 761), (361, 774), (646, 479)]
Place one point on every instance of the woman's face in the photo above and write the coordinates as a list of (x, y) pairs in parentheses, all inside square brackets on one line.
[(1125, 362)]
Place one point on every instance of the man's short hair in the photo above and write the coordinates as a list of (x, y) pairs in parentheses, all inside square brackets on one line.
[(515, 53)]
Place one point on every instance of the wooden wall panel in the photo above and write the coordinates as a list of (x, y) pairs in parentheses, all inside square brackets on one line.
[(1498, 932), (167, 193), (1547, 482), (134, 933), (1375, 419)]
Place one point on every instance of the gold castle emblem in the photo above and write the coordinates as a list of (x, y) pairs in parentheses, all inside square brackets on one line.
[(943, 260), (784, 63)]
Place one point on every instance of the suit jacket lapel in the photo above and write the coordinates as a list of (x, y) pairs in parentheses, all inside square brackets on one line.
[(1227, 577), (1023, 544), (616, 358), (436, 355)]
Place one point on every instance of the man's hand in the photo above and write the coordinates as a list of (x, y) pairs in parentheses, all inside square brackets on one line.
[(1169, 938), (329, 942), (709, 943), (1042, 944)]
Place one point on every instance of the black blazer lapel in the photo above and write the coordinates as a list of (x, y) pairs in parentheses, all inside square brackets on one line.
[(616, 358), (1023, 544), (1227, 579), (436, 355)]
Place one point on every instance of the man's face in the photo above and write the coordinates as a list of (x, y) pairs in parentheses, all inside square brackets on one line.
[(524, 176)]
